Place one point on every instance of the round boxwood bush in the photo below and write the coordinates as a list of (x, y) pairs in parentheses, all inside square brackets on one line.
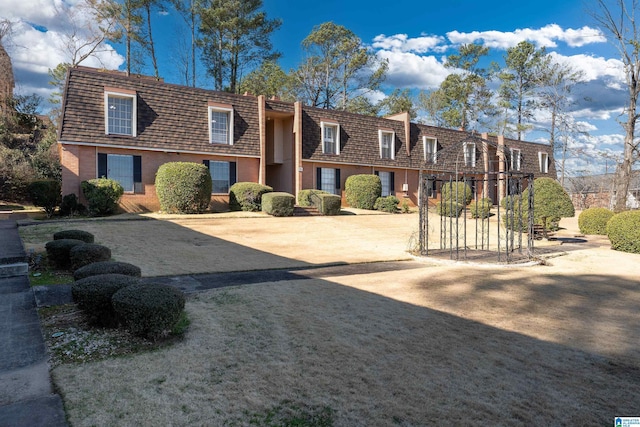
[(550, 202), (58, 251), (362, 191), (594, 220), (623, 230), (247, 196), (480, 208), (82, 255), (449, 208), (309, 197), (183, 187), (46, 194), (457, 191), (278, 203), (107, 267), (149, 310), (93, 296), (387, 204), (102, 195), (85, 236)]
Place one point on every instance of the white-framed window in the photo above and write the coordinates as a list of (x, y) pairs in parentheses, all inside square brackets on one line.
[(387, 181), (221, 124), (469, 154), (516, 155), (387, 144), (328, 179), (543, 158), (120, 113), (124, 168), (330, 137), (223, 175), (430, 149)]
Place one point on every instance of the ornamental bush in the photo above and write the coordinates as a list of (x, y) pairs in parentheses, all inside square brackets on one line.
[(71, 206), (516, 212), (623, 230), (278, 203), (362, 191), (328, 204), (387, 204), (93, 296), (85, 236), (457, 191), (449, 208), (550, 202), (107, 267), (305, 197), (58, 251), (149, 310), (102, 195), (82, 255), (247, 196), (183, 187), (481, 208), (45, 194), (594, 220)]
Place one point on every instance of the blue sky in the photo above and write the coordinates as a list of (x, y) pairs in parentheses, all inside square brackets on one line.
[(415, 36)]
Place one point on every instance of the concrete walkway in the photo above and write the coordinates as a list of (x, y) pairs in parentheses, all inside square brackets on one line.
[(26, 392)]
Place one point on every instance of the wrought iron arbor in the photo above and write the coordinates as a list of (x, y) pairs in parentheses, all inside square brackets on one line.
[(503, 236)]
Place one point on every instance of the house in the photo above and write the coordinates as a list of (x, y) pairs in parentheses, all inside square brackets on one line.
[(125, 127), (597, 191)]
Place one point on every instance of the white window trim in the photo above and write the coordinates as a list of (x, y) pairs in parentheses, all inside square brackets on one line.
[(134, 111), (228, 110), (429, 140), (473, 158), (516, 154), (393, 143), (336, 127), (544, 165)]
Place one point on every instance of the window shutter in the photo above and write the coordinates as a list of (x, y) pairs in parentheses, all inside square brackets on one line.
[(392, 184), (206, 163), (233, 169), (318, 178), (137, 169), (102, 165), (337, 179), (376, 173)]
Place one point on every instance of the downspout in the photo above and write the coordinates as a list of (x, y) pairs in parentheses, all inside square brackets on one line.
[(297, 130), (262, 126), (501, 175), (485, 160)]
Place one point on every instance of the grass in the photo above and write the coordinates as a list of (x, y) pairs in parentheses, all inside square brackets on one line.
[(50, 277)]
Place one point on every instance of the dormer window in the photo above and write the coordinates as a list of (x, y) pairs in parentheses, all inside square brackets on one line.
[(515, 159), (543, 158), (430, 149), (120, 112), (330, 137), (387, 144), (220, 123), (469, 154)]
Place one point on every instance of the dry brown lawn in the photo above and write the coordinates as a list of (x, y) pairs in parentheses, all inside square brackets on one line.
[(547, 345)]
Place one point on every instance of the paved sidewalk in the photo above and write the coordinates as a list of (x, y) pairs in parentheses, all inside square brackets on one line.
[(26, 392)]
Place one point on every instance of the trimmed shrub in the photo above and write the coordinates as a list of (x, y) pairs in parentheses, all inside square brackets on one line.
[(278, 203), (82, 255), (551, 202), (102, 194), (45, 194), (387, 204), (305, 197), (93, 296), (594, 220), (459, 191), (362, 191), (107, 267), (85, 236), (58, 251), (623, 230), (183, 187), (516, 212), (247, 196), (71, 206), (449, 208), (149, 310), (481, 208), (328, 204)]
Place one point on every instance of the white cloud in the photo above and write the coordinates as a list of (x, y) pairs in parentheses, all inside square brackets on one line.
[(402, 43), (408, 70), (547, 36), (594, 67)]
